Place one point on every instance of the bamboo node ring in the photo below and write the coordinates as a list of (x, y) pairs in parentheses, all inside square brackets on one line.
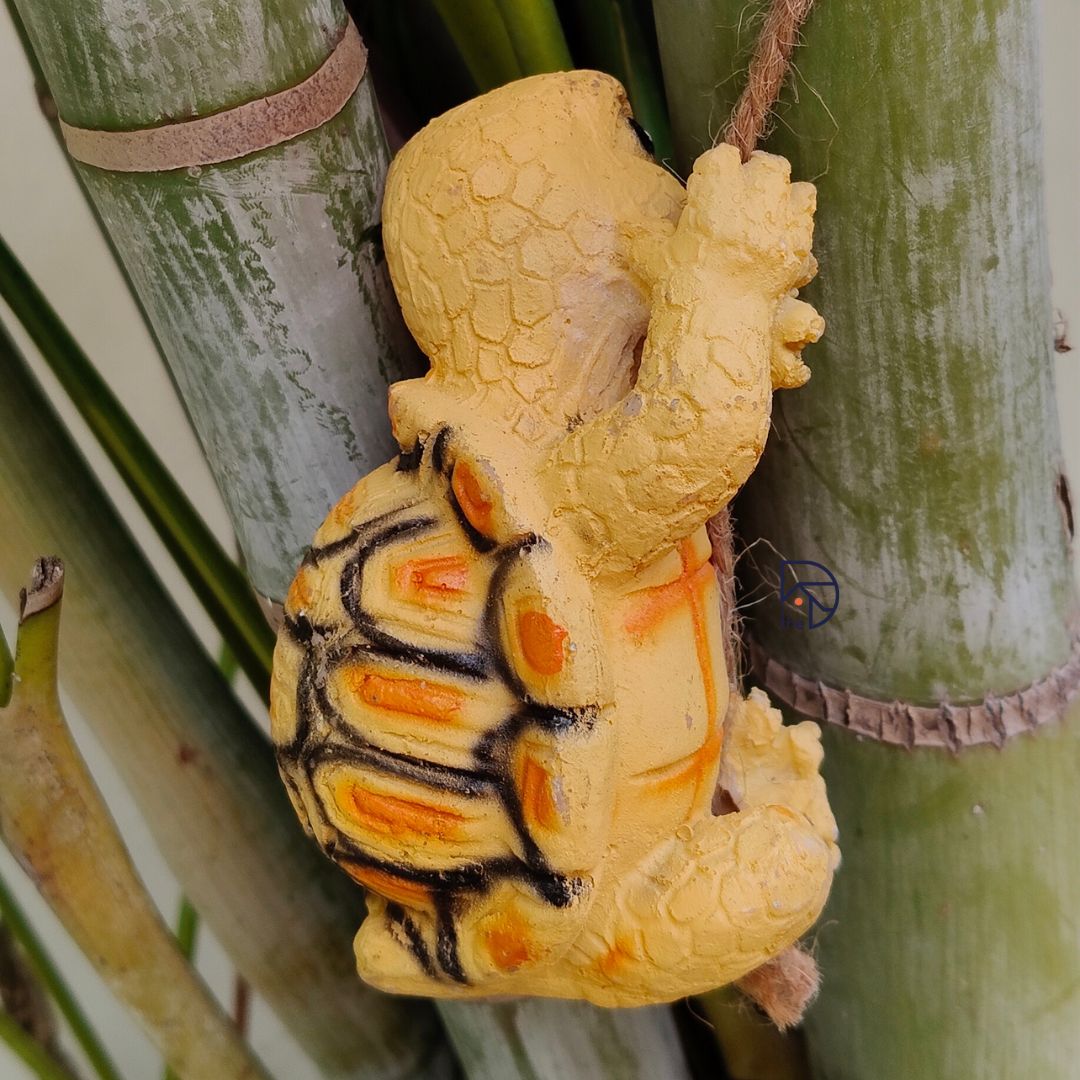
[(233, 133), (992, 721)]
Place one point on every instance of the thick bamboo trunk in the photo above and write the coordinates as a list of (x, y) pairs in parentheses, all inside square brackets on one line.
[(921, 465), (260, 281), (263, 276), (203, 776)]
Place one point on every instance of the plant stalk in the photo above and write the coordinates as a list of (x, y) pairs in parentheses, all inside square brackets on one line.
[(536, 35), (216, 580), (263, 276), (921, 464), (55, 822), (33, 1054), (55, 985), (480, 35), (202, 774)]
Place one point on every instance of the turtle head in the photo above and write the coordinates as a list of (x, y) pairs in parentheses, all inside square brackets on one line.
[(510, 225)]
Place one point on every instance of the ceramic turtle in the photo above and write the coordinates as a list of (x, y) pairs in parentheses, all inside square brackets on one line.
[(500, 700)]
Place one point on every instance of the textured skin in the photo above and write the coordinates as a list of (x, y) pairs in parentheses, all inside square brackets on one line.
[(500, 699)]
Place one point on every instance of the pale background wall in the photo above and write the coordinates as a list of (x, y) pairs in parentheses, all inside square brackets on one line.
[(44, 219)]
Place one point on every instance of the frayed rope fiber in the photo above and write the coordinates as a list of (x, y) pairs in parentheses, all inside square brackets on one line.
[(768, 70)]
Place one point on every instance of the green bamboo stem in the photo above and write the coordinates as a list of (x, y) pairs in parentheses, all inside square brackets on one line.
[(55, 822), (216, 580), (705, 46), (614, 40), (7, 669), (55, 985), (480, 35), (187, 929), (536, 35), (48, 108), (203, 776), (32, 1053), (24, 998), (542, 1039), (921, 464), (751, 1046), (261, 276)]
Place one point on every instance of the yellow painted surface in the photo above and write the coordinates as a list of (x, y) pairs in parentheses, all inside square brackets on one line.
[(500, 699)]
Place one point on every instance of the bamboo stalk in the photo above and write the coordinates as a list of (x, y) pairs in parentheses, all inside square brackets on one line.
[(187, 930), (614, 38), (7, 670), (55, 985), (262, 277), (216, 580), (201, 773), (536, 35), (481, 37), (540, 1039), (921, 464), (55, 822), (751, 1046)]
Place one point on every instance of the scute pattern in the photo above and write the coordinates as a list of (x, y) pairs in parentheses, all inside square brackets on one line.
[(423, 734)]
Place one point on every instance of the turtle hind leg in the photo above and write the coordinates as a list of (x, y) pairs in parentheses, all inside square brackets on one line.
[(701, 910)]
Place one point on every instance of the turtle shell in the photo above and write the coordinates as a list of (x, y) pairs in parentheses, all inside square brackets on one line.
[(437, 706)]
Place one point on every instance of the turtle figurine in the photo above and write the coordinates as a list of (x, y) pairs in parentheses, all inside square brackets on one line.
[(500, 700)]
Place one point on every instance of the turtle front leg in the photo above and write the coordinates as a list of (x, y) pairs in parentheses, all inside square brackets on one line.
[(726, 329)]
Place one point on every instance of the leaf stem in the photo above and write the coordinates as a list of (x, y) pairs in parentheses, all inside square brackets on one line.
[(7, 669), (536, 35), (57, 988), (216, 580), (187, 930), (481, 37), (33, 1054)]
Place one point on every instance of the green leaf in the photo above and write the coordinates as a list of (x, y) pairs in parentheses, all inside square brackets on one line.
[(536, 35), (32, 1053), (52, 980)]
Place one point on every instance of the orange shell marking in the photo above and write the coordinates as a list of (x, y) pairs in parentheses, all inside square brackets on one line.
[(412, 697), (619, 953), (474, 503), (507, 940), (301, 593), (392, 887), (398, 817), (444, 575), (655, 605), (537, 802), (543, 641)]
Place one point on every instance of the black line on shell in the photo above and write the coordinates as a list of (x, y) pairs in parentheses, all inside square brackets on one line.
[(395, 913), (355, 537), (474, 665), (446, 942), (491, 622), (469, 783), (438, 449), (409, 460)]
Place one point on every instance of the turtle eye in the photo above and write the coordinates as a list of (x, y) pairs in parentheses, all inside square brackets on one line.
[(642, 136)]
